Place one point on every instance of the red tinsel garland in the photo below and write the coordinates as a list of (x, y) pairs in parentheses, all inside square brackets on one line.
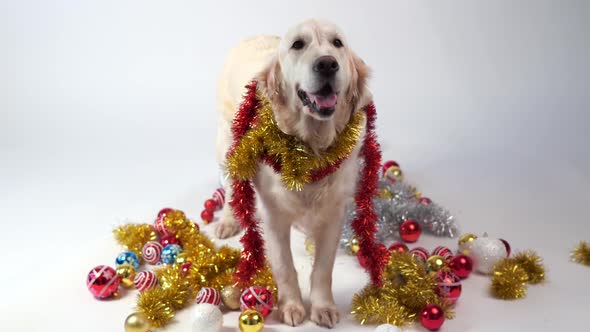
[(364, 225)]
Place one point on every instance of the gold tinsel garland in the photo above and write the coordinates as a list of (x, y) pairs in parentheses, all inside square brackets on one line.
[(210, 267), (295, 157), (581, 254), (510, 276), (407, 289)]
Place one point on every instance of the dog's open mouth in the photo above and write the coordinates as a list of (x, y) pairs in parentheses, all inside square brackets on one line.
[(322, 102)]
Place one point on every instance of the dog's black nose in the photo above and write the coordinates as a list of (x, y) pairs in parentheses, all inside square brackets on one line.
[(326, 65)]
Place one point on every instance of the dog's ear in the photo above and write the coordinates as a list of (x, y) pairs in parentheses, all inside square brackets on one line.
[(270, 81), (358, 94)]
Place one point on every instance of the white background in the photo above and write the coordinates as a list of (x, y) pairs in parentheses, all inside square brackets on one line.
[(107, 112)]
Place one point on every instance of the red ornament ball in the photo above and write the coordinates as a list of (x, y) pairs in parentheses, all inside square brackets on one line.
[(449, 286), (159, 224), (399, 247), (257, 298), (421, 254), (169, 239), (103, 281), (210, 205), (208, 295), (424, 201), (145, 280), (410, 231), (186, 267), (444, 252), (388, 164), (207, 216), (461, 265), (507, 245), (432, 317)]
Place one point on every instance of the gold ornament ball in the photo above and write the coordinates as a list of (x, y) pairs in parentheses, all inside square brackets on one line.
[(127, 274), (435, 263), (395, 173), (251, 321), (137, 322), (465, 242), (354, 245), (385, 194), (230, 295), (309, 246)]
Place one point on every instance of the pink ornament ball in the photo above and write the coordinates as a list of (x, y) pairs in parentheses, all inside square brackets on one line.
[(103, 281), (151, 252)]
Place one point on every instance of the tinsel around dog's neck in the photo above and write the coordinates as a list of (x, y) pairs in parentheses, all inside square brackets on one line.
[(257, 138)]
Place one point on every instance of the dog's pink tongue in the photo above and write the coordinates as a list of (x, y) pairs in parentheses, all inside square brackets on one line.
[(324, 102)]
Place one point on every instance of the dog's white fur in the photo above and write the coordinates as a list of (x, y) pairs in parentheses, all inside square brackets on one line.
[(319, 209)]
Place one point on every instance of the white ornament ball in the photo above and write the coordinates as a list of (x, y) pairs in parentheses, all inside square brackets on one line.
[(485, 253), (207, 318), (387, 328)]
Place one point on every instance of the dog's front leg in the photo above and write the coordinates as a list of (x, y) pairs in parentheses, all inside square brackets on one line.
[(278, 238), (326, 237)]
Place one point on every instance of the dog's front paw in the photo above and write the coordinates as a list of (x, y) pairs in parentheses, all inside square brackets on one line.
[(227, 228), (325, 315), (292, 313)]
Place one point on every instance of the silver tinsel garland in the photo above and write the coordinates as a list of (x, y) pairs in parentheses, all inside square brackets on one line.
[(400, 205)]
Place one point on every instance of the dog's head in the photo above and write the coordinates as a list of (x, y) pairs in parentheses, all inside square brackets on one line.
[(316, 74)]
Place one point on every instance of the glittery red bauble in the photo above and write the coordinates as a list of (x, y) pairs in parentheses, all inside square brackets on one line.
[(424, 201), (210, 205), (449, 286), (257, 298), (410, 231), (507, 245), (399, 247), (388, 164), (169, 239), (432, 317), (461, 266), (103, 281), (207, 216)]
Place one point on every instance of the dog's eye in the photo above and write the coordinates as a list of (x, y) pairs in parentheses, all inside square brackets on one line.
[(337, 42), (298, 44)]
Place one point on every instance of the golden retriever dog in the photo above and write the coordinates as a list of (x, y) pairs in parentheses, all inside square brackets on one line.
[(314, 83)]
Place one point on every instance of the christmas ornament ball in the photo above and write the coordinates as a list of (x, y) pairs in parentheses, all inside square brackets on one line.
[(387, 328), (485, 253), (394, 174), (435, 263), (257, 298), (170, 252), (398, 247), (420, 254), (145, 280), (432, 317), (208, 295), (449, 286), (160, 225), (230, 296), (128, 257), (103, 281), (210, 205), (388, 164), (410, 231), (251, 321), (465, 242), (127, 274), (169, 239), (136, 322), (445, 252), (207, 318), (355, 245), (461, 265), (151, 252), (207, 216)]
